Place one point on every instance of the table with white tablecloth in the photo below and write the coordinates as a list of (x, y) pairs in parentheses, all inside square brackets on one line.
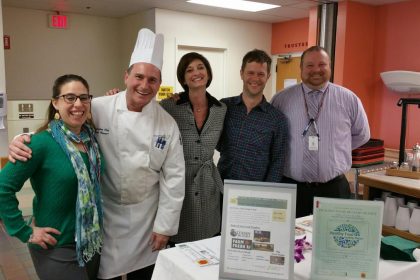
[(172, 264)]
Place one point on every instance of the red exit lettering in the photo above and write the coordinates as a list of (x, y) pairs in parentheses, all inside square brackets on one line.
[(58, 21)]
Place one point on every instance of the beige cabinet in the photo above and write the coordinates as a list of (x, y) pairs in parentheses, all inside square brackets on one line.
[(376, 182)]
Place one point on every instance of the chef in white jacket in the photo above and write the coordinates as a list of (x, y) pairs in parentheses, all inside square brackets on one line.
[(143, 186)]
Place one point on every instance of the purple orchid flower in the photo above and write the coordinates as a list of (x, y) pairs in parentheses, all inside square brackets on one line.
[(301, 245)]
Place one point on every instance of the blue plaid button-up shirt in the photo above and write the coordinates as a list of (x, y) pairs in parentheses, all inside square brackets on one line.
[(253, 146)]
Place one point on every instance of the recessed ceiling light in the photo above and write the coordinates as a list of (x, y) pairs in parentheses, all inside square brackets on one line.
[(242, 5)]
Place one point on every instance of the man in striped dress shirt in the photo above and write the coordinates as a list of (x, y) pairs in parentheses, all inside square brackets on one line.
[(326, 122)]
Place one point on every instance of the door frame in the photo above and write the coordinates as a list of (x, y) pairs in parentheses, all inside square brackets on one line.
[(197, 48), (274, 58)]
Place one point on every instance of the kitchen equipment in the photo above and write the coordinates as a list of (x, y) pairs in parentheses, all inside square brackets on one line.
[(415, 163), (402, 221), (414, 226), (411, 204), (24, 116), (407, 173), (3, 109), (390, 211), (404, 102), (405, 82)]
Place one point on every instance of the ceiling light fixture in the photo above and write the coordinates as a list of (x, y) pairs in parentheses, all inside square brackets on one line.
[(242, 5)]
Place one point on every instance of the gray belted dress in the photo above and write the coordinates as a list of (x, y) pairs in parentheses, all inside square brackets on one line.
[(200, 214)]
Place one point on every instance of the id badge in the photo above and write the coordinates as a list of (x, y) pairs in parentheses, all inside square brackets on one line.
[(313, 143)]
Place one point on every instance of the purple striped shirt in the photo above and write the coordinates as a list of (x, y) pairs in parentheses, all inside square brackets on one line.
[(342, 126)]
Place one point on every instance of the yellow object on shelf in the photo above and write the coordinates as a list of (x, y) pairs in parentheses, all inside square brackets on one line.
[(402, 173), (3, 161)]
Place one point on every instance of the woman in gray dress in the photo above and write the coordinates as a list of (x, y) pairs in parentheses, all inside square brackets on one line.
[(200, 119)]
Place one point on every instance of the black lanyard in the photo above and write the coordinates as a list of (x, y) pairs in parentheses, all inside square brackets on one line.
[(312, 121)]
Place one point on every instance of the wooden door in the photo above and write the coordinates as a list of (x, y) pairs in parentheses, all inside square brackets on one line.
[(288, 71)]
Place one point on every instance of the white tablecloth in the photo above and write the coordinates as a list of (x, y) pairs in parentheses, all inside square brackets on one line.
[(172, 264)]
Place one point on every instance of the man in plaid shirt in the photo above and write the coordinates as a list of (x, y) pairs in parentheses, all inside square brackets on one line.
[(254, 140)]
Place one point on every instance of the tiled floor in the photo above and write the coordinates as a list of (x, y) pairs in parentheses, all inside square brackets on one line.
[(15, 261)]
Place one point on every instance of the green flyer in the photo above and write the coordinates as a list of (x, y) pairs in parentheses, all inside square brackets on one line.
[(346, 239)]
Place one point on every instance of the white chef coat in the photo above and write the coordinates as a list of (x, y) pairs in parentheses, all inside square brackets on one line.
[(143, 184)]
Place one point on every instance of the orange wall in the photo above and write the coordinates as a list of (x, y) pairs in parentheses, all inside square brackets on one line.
[(290, 36), (373, 39), (397, 48), (340, 43), (313, 26), (354, 60), (370, 40)]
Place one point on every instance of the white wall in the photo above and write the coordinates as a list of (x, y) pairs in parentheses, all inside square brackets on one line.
[(90, 47), (237, 36), (99, 49), (129, 28)]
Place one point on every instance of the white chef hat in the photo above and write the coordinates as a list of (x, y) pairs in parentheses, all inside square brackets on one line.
[(148, 49)]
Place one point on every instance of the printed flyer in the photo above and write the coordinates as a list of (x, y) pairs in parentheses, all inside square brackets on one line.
[(258, 231), (198, 253), (346, 239)]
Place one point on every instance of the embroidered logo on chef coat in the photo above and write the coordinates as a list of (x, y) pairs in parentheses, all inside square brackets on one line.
[(160, 141), (102, 130)]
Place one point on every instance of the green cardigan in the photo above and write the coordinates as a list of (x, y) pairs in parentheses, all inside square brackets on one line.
[(55, 185)]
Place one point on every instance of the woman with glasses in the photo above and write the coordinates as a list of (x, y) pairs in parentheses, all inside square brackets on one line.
[(64, 234)]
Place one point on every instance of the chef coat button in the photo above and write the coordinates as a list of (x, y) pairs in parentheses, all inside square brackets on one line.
[(196, 193)]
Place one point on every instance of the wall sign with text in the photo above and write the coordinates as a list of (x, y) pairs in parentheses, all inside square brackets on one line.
[(295, 45)]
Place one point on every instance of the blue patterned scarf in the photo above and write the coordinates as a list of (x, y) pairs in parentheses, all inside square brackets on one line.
[(89, 204)]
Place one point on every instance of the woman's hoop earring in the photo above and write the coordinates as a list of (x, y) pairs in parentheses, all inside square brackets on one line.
[(57, 115)]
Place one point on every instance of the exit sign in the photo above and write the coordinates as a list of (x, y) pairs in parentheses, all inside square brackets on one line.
[(58, 21)]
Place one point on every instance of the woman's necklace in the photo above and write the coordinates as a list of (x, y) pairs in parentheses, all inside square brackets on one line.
[(199, 108)]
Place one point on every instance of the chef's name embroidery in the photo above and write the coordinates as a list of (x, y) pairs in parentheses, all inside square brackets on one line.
[(102, 130), (160, 141)]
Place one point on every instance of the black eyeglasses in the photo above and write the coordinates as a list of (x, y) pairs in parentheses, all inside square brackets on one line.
[(71, 98)]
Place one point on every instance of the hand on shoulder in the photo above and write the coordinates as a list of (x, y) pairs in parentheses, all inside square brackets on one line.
[(112, 91), (18, 150), (175, 96)]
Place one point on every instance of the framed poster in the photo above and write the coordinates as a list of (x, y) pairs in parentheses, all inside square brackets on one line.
[(257, 231), (346, 239)]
